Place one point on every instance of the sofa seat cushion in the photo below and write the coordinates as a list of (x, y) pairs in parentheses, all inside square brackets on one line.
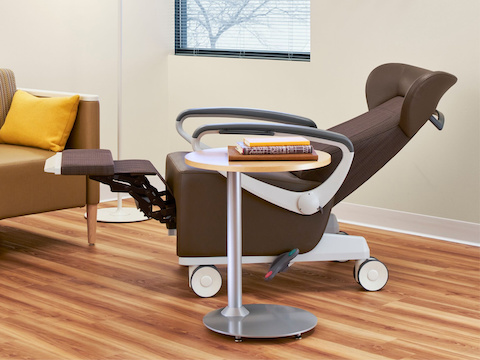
[(11, 155), (18, 166)]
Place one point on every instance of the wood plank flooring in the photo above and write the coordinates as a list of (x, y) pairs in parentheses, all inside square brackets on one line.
[(127, 298)]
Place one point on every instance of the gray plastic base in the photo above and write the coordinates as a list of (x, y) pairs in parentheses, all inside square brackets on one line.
[(263, 321), (332, 225)]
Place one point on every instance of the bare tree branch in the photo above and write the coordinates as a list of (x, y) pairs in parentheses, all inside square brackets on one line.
[(210, 19)]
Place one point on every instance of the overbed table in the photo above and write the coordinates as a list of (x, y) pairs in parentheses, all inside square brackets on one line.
[(252, 320)]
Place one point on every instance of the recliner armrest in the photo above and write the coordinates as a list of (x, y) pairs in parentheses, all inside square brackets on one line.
[(294, 201), (243, 113)]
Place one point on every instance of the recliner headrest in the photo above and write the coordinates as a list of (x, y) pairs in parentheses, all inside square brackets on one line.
[(421, 88)]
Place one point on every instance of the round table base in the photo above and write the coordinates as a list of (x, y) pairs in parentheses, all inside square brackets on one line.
[(263, 321)]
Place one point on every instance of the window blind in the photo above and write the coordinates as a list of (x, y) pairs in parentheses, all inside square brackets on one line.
[(272, 29)]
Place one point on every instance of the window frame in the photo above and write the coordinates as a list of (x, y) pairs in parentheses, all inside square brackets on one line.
[(182, 49)]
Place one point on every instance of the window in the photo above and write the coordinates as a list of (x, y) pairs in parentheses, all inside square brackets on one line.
[(271, 29)]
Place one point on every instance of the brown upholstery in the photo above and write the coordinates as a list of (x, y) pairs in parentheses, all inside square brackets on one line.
[(401, 98), (24, 186), (97, 162), (201, 202), (376, 138), (421, 88), (143, 167)]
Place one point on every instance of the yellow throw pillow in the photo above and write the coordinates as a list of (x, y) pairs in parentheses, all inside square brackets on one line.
[(44, 123)]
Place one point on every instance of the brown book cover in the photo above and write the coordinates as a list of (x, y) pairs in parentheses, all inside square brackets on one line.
[(234, 155)]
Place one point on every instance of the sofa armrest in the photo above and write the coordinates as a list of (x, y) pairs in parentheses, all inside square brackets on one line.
[(85, 132), (86, 129)]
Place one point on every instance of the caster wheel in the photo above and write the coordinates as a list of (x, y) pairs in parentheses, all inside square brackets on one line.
[(371, 274), (206, 281)]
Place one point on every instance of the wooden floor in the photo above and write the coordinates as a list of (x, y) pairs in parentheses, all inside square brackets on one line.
[(127, 298)]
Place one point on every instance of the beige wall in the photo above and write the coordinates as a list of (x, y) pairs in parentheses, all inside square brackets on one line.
[(71, 45), (65, 46), (437, 173)]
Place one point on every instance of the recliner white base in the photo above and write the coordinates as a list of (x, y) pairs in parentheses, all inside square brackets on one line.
[(205, 279)]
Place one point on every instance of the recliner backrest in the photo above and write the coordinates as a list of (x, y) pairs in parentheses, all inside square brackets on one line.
[(400, 98)]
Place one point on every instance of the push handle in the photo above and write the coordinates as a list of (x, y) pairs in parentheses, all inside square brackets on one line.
[(438, 121), (247, 113), (244, 113)]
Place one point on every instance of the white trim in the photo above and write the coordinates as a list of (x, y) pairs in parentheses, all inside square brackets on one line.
[(331, 247), (47, 93), (409, 223)]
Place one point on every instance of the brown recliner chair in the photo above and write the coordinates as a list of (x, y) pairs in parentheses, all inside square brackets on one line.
[(24, 186), (401, 99)]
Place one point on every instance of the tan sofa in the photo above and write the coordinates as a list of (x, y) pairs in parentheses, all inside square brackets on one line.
[(24, 186)]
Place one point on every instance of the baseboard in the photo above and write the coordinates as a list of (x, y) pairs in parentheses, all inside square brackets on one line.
[(403, 222), (409, 223)]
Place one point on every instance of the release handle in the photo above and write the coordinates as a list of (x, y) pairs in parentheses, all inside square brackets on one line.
[(438, 121)]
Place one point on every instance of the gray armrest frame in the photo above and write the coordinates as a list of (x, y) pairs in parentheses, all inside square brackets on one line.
[(269, 130)]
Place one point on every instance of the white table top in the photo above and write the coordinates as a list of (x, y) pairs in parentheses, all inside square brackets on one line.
[(217, 159)]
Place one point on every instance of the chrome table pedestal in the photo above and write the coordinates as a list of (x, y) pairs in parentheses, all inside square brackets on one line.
[(253, 320)]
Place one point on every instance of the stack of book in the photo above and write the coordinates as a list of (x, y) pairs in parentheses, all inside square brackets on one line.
[(273, 148)]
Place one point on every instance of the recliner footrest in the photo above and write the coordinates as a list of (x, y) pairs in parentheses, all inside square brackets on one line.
[(134, 167), (95, 162), (128, 176)]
